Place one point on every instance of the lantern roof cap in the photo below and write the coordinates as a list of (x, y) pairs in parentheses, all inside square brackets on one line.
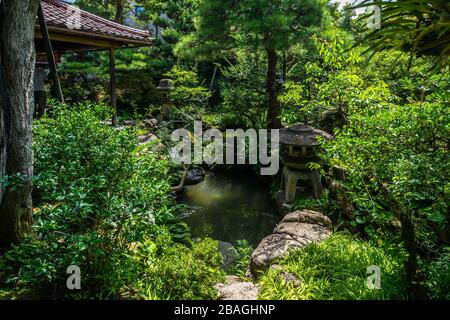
[(165, 84), (302, 135)]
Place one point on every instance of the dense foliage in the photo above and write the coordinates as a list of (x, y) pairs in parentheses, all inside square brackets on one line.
[(336, 269), (104, 207), (104, 199)]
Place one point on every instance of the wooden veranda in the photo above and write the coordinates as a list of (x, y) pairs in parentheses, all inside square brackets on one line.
[(62, 28)]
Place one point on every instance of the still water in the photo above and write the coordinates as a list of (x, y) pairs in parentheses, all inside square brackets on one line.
[(230, 205)]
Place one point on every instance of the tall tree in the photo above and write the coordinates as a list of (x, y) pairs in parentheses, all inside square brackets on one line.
[(270, 25), (179, 14), (119, 11), (115, 10), (17, 58), (106, 9), (421, 28)]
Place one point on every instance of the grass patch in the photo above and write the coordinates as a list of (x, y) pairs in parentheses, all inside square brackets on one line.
[(336, 269)]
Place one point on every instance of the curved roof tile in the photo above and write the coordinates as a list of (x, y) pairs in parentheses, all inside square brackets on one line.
[(62, 15)]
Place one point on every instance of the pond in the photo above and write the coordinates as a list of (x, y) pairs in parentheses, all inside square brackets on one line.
[(230, 205)]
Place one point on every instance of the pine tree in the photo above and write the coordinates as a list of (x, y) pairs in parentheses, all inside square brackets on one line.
[(270, 25)]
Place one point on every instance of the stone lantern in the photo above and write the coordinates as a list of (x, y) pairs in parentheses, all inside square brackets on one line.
[(302, 148), (164, 88)]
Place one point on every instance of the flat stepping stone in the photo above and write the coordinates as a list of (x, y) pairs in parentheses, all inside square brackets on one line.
[(235, 288)]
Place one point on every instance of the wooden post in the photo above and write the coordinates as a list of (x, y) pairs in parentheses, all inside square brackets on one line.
[(49, 51), (112, 84), (213, 77)]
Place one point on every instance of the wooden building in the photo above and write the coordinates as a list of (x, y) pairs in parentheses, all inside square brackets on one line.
[(62, 28)]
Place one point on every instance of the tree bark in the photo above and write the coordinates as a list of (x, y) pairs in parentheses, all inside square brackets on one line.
[(409, 239), (17, 19), (274, 112), (408, 235), (119, 11)]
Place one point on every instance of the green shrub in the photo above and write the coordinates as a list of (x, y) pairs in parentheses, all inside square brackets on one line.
[(322, 204), (243, 251), (336, 269), (176, 271), (97, 195), (242, 90), (225, 120), (438, 276)]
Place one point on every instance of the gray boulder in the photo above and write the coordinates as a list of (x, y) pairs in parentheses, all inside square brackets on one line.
[(303, 232), (308, 216), (150, 123), (194, 176), (147, 138), (296, 230), (128, 122)]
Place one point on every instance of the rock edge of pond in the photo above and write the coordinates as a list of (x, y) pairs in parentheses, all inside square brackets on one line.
[(296, 230)]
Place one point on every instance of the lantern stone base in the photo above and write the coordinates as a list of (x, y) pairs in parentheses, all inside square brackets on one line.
[(291, 177), (283, 207), (166, 112)]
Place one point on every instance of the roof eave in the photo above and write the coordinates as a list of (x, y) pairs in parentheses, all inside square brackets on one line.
[(119, 41)]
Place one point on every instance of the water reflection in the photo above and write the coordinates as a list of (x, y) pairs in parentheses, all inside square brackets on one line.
[(230, 205)]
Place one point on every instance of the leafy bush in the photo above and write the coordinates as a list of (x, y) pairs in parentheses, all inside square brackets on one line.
[(95, 168), (336, 269), (242, 89), (174, 271), (322, 204), (395, 159), (332, 86), (243, 251), (438, 276), (188, 95), (99, 197), (224, 121)]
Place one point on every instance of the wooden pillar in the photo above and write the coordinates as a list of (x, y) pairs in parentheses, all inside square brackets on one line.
[(49, 51), (112, 84), (213, 77)]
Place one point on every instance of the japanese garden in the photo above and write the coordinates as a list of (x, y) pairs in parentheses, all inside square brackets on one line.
[(224, 150)]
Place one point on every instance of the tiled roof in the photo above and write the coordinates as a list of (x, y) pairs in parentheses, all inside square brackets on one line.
[(64, 16)]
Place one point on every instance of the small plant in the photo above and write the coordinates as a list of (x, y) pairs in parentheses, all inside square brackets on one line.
[(336, 269), (98, 198), (176, 271), (243, 251), (321, 204)]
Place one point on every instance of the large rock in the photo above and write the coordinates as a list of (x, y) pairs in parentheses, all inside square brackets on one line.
[(150, 123), (271, 248), (145, 138), (228, 254), (308, 216), (302, 232), (236, 289), (296, 230), (194, 176), (128, 122)]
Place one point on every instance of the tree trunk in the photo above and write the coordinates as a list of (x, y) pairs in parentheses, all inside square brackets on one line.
[(408, 236), (409, 240), (274, 112), (17, 19), (119, 11)]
